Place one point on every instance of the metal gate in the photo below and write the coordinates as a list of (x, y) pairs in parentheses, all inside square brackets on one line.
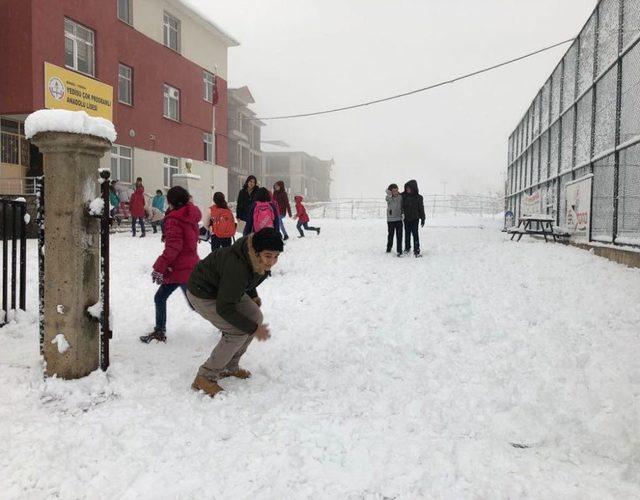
[(13, 215)]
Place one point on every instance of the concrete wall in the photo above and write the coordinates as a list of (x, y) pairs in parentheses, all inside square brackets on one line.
[(197, 43)]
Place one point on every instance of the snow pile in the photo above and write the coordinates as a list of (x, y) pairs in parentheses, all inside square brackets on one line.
[(96, 207), (486, 369), (62, 120), (95, 310), (60, 309), (27, 218), (62, 343)]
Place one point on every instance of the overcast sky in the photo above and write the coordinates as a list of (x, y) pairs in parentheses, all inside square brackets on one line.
[(305, 55)]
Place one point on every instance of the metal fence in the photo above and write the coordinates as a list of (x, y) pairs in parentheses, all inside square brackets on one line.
[(376, 208), (18, 185), (14, 269), (586, 120)]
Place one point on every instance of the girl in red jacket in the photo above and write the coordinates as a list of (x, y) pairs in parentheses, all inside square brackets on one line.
[(303, 218), (172, 269), (223, 225), (136, 208)]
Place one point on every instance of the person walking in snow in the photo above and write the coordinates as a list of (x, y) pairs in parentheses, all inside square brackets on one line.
[(394, 218), (303, 218), (413, 210), (223, 225), (137, 204), (222, 289), (246, 197), (263, 213), (281, 197), (172, 269)]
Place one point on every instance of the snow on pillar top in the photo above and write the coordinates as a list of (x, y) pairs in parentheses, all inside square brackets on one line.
[(75, 122)]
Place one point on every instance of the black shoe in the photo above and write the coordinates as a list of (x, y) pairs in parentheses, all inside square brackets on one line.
[(388, 250), (407, 250), (155, 335), (399, 254), (142, 235), (155, 232), (417, 255), (301, 236)]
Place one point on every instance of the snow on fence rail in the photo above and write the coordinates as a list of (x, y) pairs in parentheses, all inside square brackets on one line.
[(375, 208)]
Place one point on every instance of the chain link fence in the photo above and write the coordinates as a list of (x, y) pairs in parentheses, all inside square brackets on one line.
[(585, 121)]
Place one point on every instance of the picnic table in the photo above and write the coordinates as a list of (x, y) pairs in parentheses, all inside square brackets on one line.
[(544, 226)]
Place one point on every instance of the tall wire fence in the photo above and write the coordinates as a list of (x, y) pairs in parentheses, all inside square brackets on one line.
[(585, 123)]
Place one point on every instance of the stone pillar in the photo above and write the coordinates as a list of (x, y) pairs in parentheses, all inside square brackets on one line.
[(194, 184), (72, 252)]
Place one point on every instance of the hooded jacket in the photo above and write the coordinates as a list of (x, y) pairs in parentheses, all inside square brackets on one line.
[(225, 275), (137, 203), (282, 199), (180, 253), (301, 212), (394, 207), (412, 203)]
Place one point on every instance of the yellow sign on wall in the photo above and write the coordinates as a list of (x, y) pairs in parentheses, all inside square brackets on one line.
[(64, 89)]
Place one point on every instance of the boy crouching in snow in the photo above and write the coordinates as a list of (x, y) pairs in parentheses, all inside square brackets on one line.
[(222, 289)]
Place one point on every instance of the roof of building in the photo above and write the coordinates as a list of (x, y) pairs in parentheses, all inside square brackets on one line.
[(243, 94), (204, 20)]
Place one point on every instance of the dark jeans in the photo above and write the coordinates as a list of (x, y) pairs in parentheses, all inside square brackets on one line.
[(306, 225), (160, 299), (219, 242), (411, 229), (394, 227), (133, 224), (155, 225)]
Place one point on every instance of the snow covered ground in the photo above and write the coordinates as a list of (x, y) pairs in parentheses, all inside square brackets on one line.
[(487, 369)]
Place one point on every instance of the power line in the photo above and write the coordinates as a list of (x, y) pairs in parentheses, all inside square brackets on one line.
[(411, 92)]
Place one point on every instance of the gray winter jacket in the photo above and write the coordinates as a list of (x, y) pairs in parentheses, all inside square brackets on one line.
[(394, 207)]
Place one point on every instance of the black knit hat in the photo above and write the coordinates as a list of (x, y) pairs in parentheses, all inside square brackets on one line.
[(267, 239)]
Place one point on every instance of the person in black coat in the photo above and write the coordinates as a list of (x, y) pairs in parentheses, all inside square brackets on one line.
[(413, 210), (246, 197)]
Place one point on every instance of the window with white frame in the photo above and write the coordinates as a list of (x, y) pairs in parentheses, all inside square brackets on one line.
[(208, 81), (121, 163), (79, 54), (171, 102), (125, 84), (171, 167), (125, 11), (171, 32), (208, 146)]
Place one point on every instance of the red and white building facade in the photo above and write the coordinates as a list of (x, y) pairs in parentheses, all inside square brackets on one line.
[(167, 65)]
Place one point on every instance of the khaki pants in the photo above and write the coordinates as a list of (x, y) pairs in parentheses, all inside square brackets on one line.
[(233, 343)]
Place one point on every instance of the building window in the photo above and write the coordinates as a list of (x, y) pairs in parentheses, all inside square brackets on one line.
[(125, 84), (79, 48), (208, 147), (171, 167), (171, 103), (124, 11), (121, 163), (207, 86), (171, 32)]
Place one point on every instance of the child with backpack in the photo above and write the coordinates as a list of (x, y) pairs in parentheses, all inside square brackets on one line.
[(303, 218), (263, 213), (223, 224)]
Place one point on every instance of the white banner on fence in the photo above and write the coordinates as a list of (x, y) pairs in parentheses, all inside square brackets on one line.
[(578, 207), (531, 204)]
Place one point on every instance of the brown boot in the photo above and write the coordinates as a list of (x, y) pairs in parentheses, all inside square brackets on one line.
[(209, 387), (238, 373)]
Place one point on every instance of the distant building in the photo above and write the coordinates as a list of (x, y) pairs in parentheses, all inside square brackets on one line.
[(166, 64), (245, 156), (302, 173)]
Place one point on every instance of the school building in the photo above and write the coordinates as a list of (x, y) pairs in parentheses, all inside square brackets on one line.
[(156, 68)]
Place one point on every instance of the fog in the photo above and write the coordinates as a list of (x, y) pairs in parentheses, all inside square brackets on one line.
[(308, 55)]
